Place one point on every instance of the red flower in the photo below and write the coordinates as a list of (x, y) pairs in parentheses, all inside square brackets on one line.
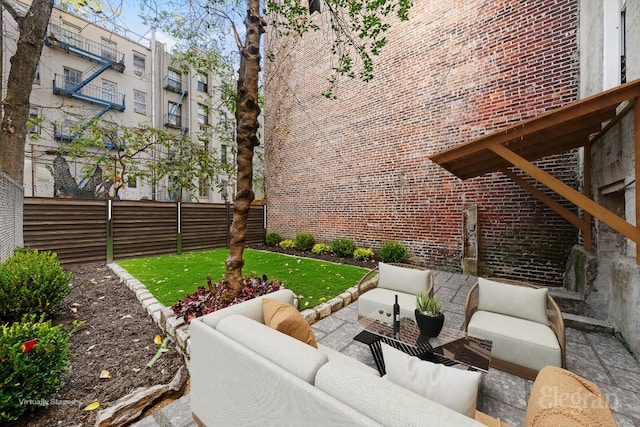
[(27, 346)]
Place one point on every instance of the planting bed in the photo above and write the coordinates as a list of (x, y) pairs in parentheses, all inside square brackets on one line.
[(118, 337)]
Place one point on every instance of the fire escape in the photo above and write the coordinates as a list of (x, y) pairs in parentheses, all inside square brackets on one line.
[(173, 83), (79, 87)]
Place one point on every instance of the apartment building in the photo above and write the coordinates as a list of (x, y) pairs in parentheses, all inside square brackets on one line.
[(90, 70)]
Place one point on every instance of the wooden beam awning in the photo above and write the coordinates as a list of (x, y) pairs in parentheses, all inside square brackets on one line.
[(571, 126)]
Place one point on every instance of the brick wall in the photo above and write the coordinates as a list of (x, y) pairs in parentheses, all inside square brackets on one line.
[(358, 167), (11, 197)]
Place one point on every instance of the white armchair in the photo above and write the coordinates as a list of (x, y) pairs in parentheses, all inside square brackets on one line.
[(523, 321), (377, 289)]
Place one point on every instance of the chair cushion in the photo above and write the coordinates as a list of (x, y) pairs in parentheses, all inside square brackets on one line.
[(513, 300), (454, 388), (287, 319), (402, 279), (523, 342), (379, 298), (560, 397)]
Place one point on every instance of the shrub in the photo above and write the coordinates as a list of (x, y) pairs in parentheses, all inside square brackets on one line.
[(34, 355), (203, 302), (363, 254), (272, 239), (393, 251), (343, 247), (31, 282), (304, 241), (320, 248), (287, 244)]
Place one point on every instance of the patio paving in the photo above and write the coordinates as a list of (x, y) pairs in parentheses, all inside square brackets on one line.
[(596, 356)]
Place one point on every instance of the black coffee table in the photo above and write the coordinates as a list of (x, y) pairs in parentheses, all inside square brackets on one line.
[(451, 347)]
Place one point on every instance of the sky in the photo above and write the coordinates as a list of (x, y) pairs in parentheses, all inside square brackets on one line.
[(130, 19)]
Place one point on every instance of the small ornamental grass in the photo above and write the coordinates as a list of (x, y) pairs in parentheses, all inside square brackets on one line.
[(34, 355), (287, 244), (321, 248), (363, 254)]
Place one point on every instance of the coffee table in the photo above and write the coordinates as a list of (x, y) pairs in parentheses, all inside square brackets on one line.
[(451, 347)]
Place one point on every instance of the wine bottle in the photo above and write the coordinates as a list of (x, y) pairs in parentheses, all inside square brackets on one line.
[(396, 316)]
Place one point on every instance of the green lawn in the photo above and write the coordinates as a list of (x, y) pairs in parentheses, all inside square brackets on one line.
[(171, 277)]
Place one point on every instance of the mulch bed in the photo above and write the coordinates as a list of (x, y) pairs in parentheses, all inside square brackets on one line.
[(117, 336), (308, 254)]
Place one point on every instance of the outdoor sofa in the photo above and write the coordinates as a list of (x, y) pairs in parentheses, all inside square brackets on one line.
[(244, 373)]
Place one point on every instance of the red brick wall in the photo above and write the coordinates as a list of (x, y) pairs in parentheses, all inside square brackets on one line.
[(358, 166)]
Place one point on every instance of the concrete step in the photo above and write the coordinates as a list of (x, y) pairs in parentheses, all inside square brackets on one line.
[(568, 301), (587, 324)]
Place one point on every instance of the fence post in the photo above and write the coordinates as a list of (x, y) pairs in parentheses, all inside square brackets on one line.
[(109, 231), (179, 230)]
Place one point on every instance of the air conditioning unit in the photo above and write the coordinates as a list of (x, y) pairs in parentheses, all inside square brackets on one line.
[(139, 72)]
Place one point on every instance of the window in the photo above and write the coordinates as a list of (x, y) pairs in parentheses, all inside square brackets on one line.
[(173, 81), (34, 122), (71, 78), (139, 102), (109, 90), (175, 114), (223, 154), (138, 64), (203, 83), (203, 187), (71, 34), (108, 49), (203, 116), (132, 182), (36, 76)]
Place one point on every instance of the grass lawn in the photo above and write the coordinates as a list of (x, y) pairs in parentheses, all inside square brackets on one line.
[(171, 277)]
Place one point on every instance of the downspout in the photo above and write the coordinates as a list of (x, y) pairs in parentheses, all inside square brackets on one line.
[(153, 107)]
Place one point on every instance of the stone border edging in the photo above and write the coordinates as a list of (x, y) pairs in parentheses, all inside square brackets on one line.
[(178, 331)]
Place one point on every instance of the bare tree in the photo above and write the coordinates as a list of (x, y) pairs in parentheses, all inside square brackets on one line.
[(32, 26)]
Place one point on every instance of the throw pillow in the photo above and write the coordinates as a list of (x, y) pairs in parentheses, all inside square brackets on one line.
[(287, 319), (454, 388), (513, 300)]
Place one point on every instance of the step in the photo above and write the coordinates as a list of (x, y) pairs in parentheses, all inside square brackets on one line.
[(587, 324), (568, 301)]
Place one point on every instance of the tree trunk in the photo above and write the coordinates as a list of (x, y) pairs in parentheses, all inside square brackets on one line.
[(13, 128), (247, 112)]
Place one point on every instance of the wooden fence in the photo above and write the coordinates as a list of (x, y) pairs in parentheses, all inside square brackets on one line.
[(83, 231)]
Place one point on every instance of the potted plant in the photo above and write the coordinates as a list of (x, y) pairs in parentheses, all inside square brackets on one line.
[(428, 315)]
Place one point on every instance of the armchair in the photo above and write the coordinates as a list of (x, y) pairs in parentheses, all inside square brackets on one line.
[(523, 321), (378, 287)]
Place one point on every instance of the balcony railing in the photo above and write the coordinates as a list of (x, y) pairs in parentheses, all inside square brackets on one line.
[(88, 93)]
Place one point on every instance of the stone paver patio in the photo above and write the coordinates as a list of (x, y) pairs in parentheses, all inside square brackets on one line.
[(598, 357)]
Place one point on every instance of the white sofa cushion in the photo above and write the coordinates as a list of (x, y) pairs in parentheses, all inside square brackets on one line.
[(380, 298), (385, 402), (251, 308), (523, 342), (454, 388), (513, 300), (300, 359), (402, 279), (335, 355)]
